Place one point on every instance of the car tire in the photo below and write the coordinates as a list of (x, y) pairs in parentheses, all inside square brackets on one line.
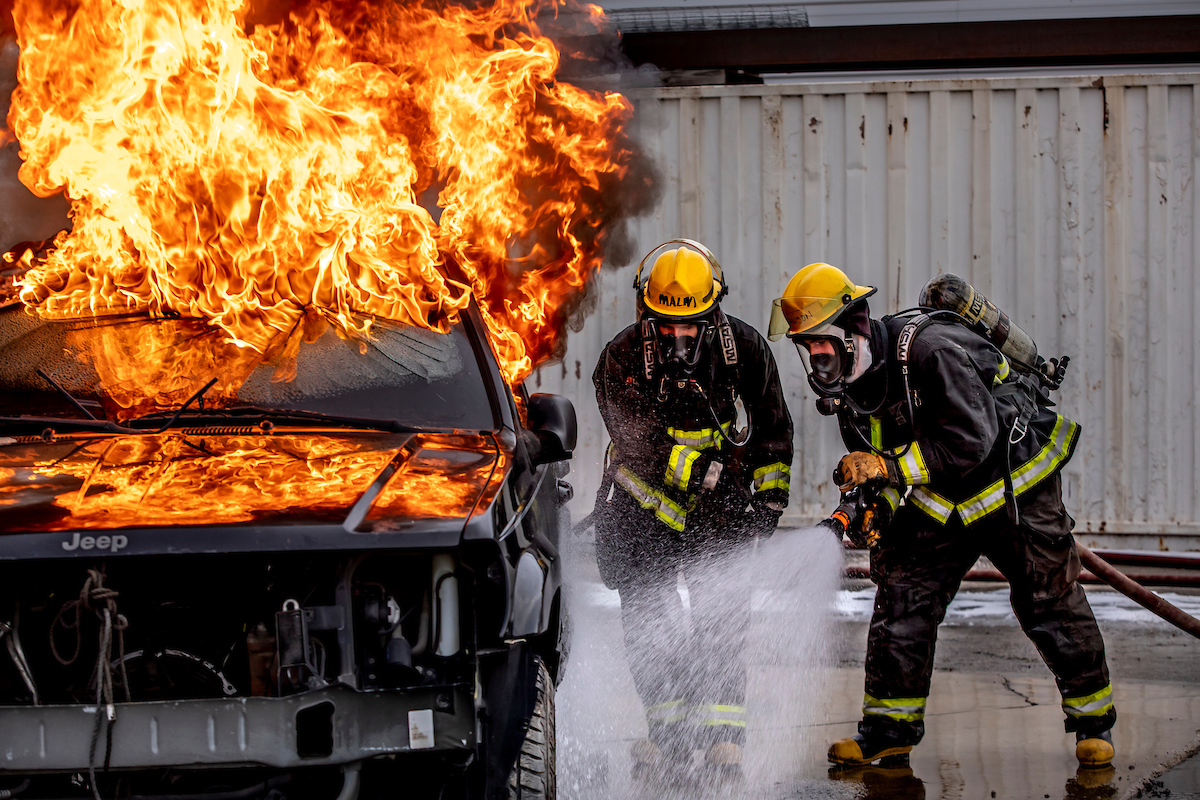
[(533, 776)]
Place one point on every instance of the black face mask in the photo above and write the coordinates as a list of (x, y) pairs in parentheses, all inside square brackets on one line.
[(826, 371), (678, 353)]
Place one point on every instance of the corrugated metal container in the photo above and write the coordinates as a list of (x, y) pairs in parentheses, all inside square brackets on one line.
[(1071, 202)]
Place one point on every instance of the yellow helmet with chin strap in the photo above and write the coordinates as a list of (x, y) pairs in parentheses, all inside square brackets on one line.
[(683, 283), (813, 300)]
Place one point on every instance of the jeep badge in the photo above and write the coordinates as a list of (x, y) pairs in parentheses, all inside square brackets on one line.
[(110, 543)]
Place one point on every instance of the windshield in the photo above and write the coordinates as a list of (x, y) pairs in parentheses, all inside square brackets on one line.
[(399, 373)]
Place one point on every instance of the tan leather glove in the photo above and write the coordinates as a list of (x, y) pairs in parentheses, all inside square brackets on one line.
[(855, 469)]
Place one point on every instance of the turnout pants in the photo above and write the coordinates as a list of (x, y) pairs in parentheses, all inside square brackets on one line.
[(688, 663), (918, 568)]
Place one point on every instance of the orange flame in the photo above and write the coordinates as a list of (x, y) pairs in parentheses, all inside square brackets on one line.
[(182, 478), (252, 181)]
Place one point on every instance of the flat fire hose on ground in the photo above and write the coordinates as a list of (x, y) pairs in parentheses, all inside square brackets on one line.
[(1138, 593)]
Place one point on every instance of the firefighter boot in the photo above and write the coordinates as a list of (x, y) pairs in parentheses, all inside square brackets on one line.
[(724, 754), (648, 760), (858, 750), (1094, 750), (723, 763), (646, 753)]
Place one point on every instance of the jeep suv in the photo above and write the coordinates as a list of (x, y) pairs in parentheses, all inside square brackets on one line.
[(344, 583)]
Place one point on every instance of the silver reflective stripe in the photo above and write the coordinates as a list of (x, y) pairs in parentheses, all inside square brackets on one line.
[(679, 466), (773, 476), (892, 497), (1092, 705), (912, 465), (701, 439), (1028, 475), (905, 709), (669, 513), (932, 504)]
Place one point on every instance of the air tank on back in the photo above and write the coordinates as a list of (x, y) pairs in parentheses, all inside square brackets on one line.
[(951, 293)]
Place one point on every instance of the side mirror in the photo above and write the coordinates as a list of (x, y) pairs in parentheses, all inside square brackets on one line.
[(552, 421)]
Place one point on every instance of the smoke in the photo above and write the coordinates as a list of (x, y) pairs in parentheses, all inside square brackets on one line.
[(592, 58), (793, 579)]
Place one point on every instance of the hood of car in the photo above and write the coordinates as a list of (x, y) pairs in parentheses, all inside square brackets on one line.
[(361, 482)]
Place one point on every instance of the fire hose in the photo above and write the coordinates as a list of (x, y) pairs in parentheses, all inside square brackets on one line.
[(1102, 571), (1138, 593)]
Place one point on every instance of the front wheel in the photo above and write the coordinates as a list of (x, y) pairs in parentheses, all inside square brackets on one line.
[(532, 777)]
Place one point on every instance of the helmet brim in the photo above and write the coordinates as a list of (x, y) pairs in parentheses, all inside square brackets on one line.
[(811, 314)]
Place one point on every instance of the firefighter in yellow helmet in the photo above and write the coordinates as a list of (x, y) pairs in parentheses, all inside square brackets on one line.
[(689, 484), (954, 453)]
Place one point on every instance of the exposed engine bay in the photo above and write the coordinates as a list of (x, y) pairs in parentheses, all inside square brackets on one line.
[(123, 637)]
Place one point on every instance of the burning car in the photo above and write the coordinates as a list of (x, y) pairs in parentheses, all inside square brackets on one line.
[(276, 515), (344, 583)]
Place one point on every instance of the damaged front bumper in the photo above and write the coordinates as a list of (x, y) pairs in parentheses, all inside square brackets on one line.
[(335, 725)]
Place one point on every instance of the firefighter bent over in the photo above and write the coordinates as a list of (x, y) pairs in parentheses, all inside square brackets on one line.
[(962, 456), (688, 486)]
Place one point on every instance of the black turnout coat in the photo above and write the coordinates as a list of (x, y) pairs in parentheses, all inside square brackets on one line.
[(951, 444), (664, 435)]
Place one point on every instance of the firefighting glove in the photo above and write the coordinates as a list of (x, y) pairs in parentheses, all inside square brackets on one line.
[(875, 517), (763, 516), (859, 468), (843, 519), (723, 497)]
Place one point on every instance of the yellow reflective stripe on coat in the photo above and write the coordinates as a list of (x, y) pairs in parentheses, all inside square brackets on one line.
[(1092, 705), (877, 433), (666, 713), (931, 503), (912, 465), (713, 715), (892, 497), (668, 512), (701, 439), (773, 476), (904, 709), (1032, 472), (679, 466), (1002, 372)]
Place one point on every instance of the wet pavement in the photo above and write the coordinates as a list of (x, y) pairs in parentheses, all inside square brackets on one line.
[(994, 725)]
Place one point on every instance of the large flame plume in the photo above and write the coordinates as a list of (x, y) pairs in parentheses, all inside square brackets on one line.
[(266, 178), (181, 478)]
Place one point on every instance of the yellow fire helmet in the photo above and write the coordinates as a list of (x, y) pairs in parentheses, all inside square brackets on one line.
[(684, 282), (813, 300)]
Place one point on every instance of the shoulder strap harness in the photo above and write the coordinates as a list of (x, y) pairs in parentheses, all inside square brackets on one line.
[(1020, 387)]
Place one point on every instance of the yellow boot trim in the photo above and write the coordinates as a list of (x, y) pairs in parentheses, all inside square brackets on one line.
[(1094, 753), (847, 751)]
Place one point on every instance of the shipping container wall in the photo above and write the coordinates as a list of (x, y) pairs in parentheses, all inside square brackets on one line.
[(1070, 202)]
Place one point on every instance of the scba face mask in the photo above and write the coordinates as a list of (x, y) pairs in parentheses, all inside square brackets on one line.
[(832, 363), (826, 362), (680, 344)]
